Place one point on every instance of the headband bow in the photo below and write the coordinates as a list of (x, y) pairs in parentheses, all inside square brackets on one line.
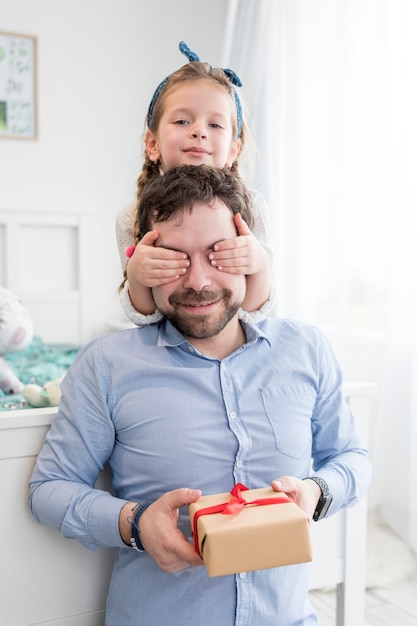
[(192, 56)]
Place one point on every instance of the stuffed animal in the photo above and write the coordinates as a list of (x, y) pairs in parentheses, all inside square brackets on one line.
[(16, 333), (48, 395)]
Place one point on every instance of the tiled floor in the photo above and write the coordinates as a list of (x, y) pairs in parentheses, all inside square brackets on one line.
[(391, 576), (392, 602), (394, 606)]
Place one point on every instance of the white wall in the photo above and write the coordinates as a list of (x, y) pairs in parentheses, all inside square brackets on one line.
[(98, 64)]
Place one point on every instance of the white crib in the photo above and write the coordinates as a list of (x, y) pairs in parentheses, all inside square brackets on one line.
[(44, 260), (51, 581)]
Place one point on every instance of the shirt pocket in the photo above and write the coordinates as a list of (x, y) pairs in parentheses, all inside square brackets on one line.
[(289, 410)]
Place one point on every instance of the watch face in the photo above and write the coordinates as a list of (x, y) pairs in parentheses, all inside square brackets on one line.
[(325, 499), (322, 507)]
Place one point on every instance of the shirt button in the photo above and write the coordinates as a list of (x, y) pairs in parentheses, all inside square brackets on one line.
[(190, 349), (239, 464), (232, 415), (242, 575)]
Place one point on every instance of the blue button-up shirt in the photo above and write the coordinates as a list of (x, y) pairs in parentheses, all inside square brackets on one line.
[(165, 416)]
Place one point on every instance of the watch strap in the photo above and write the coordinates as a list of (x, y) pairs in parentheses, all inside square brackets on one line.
[(322, 484)]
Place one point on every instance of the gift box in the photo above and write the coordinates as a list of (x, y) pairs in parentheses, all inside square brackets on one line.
[(249, 529)]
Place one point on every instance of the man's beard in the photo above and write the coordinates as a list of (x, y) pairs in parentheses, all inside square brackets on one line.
[(201, 326)]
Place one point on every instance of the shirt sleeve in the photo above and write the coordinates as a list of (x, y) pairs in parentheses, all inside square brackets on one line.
[(139, 319), (262, 231), (125, 232), (76, 449), (339, 455), (266, 310), (262, 223)]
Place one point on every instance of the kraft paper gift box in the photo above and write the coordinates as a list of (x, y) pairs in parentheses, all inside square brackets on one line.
[(249, 536)]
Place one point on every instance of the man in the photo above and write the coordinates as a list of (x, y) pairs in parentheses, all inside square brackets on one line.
[(194, 404)]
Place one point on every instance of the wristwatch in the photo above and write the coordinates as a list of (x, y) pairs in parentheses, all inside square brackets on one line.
[(325, 500)]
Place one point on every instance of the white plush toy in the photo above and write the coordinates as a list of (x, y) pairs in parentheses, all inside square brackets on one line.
[(48, 395), (16, 333)]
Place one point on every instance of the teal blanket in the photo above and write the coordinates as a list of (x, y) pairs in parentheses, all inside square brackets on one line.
[(38, 364)]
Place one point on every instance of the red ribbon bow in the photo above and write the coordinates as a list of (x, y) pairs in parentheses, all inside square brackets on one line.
[(233, 507)]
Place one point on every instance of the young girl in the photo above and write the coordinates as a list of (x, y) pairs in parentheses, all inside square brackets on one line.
[(195, 117), (16, 333)]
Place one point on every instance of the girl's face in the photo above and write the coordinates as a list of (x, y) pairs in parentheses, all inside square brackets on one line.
[(196, 127)]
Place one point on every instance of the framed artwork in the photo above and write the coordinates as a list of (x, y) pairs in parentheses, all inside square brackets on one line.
[(18, 111)]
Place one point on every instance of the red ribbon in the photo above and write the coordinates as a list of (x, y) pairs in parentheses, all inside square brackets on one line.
[(232, 507)]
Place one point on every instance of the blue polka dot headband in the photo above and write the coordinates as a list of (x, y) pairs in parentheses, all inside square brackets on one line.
[(191, 56)]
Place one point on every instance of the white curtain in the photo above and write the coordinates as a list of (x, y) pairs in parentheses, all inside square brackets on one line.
[(331, 87)]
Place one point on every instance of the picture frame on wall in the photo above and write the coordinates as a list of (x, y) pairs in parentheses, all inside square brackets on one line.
[(18, 85)]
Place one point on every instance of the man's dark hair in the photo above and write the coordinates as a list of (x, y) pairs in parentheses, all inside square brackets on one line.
[(182, 186)]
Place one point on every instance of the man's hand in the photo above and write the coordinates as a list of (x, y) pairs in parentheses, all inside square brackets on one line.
[(305, 493), (159, 532)]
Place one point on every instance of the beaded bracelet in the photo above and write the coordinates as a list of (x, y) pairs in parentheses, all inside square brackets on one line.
[(137, 511)]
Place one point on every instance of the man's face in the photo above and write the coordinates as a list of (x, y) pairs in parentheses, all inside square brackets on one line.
[(205, 301)]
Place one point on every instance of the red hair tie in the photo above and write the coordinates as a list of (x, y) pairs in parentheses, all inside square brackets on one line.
[(129, 251)]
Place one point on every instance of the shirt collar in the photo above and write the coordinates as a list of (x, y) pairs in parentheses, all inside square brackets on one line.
[(169, 336), (254, 332)]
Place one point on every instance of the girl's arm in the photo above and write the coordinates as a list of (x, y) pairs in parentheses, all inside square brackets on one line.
[(151, 266), (258, 289), (251, 254), (262, 231), (125, 235), (148, 266), (140, 294), (245, 255)]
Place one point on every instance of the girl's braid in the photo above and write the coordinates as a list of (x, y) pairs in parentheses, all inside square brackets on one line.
[(150, 170)]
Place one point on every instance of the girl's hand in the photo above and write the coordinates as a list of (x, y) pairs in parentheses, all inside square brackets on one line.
[(242, 254), (151, 266)]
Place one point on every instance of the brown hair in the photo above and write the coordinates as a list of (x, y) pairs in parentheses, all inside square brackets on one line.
[(181, 187)]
